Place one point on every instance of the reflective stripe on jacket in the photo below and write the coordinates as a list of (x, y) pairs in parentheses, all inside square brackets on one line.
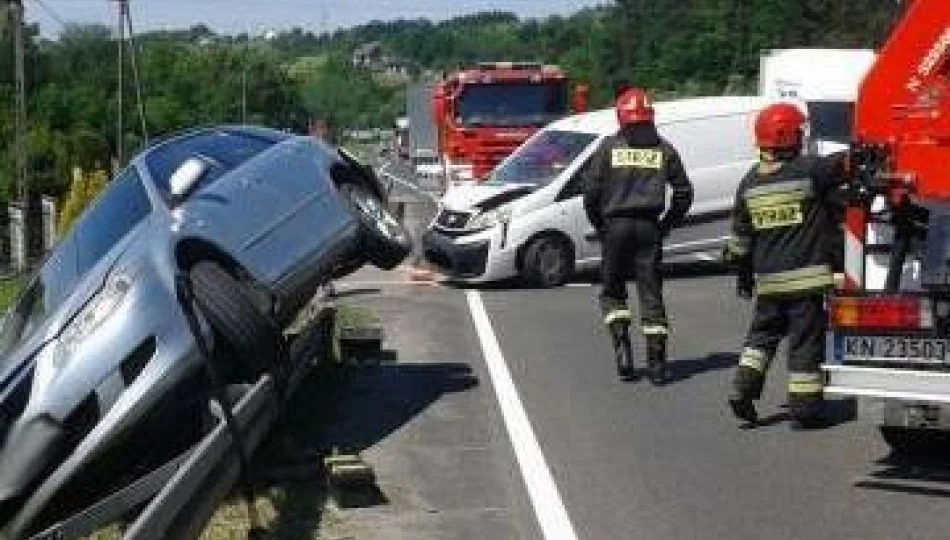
[(782, 225)]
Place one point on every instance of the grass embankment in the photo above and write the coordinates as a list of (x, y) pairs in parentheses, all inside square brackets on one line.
[(292, 503)]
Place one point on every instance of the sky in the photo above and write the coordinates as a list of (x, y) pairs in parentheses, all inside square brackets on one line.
[(259, 16)]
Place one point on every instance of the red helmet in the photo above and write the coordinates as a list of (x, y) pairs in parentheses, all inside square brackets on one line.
[(634, 106), (779, 126)]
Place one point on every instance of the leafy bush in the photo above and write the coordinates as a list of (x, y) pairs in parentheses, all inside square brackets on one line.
[(82, 191)]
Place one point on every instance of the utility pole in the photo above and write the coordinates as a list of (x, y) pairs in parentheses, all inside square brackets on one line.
[(120, 127), (16, 13), (244, 92)]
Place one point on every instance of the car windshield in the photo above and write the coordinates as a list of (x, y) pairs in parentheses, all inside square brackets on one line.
[(831, 120), (226, 150), (542, 158), (513, 104), (121, 207)]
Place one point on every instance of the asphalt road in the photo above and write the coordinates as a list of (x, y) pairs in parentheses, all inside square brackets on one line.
[(630, 461), (627, 461)]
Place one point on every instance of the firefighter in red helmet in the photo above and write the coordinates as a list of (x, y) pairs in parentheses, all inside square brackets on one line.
[(781, 220), (625, 200)]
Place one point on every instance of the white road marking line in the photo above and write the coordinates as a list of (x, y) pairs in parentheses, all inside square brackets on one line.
[(548, 506), (579, 285), (707, 257)]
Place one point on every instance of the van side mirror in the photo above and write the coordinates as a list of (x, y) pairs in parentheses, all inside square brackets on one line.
[(186, 177)]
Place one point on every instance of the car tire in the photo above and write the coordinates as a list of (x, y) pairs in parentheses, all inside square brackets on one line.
[(548, 262), (247, 341), (911, 442), (383, 240)]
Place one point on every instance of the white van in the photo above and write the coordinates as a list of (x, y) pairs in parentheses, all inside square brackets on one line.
[(527, 219), (824, 82)]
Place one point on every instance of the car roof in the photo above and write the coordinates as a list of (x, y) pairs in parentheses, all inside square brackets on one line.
[(604, 121), (251, 131)]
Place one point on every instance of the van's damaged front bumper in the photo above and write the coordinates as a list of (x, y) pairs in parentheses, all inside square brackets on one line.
[(477, 257)]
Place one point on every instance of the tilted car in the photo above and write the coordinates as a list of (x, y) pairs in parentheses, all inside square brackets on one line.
[(96, 356)]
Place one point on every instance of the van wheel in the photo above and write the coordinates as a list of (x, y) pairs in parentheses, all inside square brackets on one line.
[(383, 240), (911, 442), (247, 342), (548, 262)]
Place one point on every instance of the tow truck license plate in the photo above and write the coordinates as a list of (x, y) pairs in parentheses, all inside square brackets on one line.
[(897, 349)]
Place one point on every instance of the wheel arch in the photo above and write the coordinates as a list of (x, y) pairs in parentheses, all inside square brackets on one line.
[(189, 251), (559, 235)]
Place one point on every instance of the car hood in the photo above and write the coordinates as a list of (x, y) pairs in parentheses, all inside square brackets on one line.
[(484, 196)]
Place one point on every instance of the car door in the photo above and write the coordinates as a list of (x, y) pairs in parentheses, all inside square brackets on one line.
[(570, 202), (238, 208), (716, 151), (301, 234)]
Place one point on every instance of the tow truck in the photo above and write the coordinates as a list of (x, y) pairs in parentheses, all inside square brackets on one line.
[(889, 333), (483, 113)]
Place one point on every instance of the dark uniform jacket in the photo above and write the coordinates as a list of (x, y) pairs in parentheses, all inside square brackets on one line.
[(628, 176), (782, 224)]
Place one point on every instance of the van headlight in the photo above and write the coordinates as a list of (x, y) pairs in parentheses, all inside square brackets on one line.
[(489, 218)]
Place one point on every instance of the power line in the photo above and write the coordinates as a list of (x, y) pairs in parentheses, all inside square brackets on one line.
[(51, 13)]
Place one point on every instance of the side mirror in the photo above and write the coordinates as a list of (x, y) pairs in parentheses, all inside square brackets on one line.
[(186, 177)]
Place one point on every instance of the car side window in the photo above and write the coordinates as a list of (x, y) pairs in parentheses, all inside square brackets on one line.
[(223, 150), (575, 186), (122, 206)]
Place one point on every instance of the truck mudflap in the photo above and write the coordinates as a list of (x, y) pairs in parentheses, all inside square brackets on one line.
[(888, 383)]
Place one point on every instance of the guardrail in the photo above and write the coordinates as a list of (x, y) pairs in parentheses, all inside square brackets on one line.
[(180, 497)]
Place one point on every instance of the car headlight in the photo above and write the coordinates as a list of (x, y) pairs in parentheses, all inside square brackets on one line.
[(91, 317), (490, 218)]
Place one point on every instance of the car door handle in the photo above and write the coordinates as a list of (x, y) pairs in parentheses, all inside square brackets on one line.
[(248, 183)]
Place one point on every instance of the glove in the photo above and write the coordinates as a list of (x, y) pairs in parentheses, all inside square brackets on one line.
[(745, 285)]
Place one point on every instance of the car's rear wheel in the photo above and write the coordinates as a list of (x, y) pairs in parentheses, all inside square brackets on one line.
[(248, 342), (548, 262), (384, 241)]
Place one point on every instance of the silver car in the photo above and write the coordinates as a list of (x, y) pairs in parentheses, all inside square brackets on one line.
[(97, 354)]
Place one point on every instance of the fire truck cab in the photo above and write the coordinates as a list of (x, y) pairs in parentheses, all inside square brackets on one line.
[(483, 113)]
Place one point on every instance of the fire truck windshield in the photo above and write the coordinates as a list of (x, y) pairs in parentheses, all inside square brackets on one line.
[(542, 158), (513, 104)]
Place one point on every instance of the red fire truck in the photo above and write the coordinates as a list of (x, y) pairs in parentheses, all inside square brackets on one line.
[(890, 323), (482, 114)]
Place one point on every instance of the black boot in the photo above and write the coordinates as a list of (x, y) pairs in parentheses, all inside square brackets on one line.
[(743, 407), (623, 351), (808, 414), (658, 370)]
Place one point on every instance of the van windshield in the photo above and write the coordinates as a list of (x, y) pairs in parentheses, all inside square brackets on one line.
[(540, 160)]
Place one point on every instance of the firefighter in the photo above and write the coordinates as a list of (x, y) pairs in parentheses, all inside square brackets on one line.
[(625, 199), (779, 246)]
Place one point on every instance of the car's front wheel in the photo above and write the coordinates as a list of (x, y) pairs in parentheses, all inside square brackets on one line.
[(548, 262), (248, 342), (383, 240)]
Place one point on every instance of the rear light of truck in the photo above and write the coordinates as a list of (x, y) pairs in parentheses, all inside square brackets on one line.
[(894, 312)]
